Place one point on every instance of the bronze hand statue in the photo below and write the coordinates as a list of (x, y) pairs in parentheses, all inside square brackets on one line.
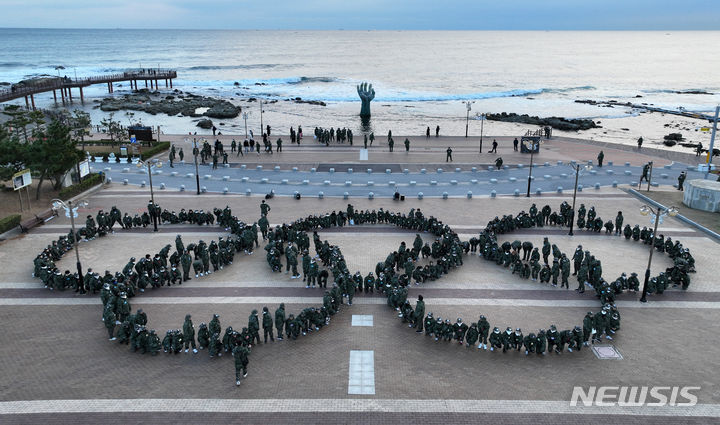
[(366, 93)]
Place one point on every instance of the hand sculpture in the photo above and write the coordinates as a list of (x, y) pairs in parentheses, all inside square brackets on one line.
[(366, 93)]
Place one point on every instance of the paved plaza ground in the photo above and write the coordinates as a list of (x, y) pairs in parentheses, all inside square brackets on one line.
[(59, 367)]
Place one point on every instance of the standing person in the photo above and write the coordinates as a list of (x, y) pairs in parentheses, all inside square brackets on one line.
[(233, 146), (264, 208), (172, 156), (419, 314), (640, 142), (645, 173), (280, 320), (372, 138), (427, 132), (600, 158), (240, 354), (181, 155), (279, 145), (494, 146), (515, 144), (299, 134), (391, 143), (498, 163), (407, 145), (215, 161), (267, 323), (448, 156), (214, 129), (681, 180), (189, 334), (365, 142), (437, 131), (268, 129)]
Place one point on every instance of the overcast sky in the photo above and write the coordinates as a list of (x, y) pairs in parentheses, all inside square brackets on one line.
[(365, 14)]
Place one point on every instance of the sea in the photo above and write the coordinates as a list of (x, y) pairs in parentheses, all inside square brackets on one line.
[(421, 78)]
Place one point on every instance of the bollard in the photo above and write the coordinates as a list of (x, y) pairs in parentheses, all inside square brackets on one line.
[(125, 182), (494, 181), (559, 163), (277, 168), (614, 183), (391, 183), (203, 189), (371, 195), (109, 180), (521, 165), (493, 194), (445, 195), (563, 176), (369, 170), (245, 179), (610, 163), (420, 195), (547, 177), (580, 188), (162, 186), (609, 172), (627, 164), (664, 176), (142, 183), (332, 170), (248, 192), (346, 195), (597, 185), (469, 195), (127, 170), (226, 165), (458, 169), (350, 170), (294, 169), (306, 182), (439, 170), (538, 191), (189, 175), (559, 189), (312, 170), (371, 183), (174, 174), (516, 192), (321, 195), (423, 171), (628, 173), (547, 164), (406, 171), (225, 190), (326, 182), (506, 167), (388, 171), (433, 182)]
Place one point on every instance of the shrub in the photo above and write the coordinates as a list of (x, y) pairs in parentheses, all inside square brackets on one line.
[(9, 222), (70, 191), (159, 147)]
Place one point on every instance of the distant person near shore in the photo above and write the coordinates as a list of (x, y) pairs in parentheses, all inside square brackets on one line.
[(600, 158), (494, 147), (427, 132), (515, 144), (448, 157), (639, 142), (437, 131)]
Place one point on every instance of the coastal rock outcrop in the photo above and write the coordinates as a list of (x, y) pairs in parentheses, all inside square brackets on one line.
[(186, 105), (558, 123)]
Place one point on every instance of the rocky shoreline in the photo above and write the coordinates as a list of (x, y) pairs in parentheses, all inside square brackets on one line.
[(179, 103), (558, 123)]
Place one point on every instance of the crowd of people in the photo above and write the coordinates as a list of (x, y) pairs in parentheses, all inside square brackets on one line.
[(392, 277)]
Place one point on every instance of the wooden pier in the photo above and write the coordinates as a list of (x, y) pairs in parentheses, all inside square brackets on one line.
[(64, 85)]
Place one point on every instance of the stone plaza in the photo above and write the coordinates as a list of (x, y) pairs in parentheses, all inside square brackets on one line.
[(366, 366)]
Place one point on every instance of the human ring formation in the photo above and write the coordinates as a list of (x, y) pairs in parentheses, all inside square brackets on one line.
[(402, 268)]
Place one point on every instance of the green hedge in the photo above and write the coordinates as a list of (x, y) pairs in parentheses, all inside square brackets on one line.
[(159, 147), (9, 222), (70, 191)]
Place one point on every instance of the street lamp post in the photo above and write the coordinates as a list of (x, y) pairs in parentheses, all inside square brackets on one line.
[(533, 146), (657, 216), (245, 116), (195, 155), (150, 164), (468, 105), (578, 168), (71, 211), (482, 123)]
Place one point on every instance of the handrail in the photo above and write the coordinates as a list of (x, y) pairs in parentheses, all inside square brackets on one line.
[(61, 82)]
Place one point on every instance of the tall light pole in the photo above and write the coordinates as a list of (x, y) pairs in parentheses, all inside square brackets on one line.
[(468, 105), (712, 141), (245, 116), (533, 145), (656, 217), (262, 129), (71, 211), (150, 164), (482, 122), (196, 151), (578, 170)]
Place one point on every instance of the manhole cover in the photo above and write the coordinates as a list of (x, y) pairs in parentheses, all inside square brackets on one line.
[(606, 352)]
